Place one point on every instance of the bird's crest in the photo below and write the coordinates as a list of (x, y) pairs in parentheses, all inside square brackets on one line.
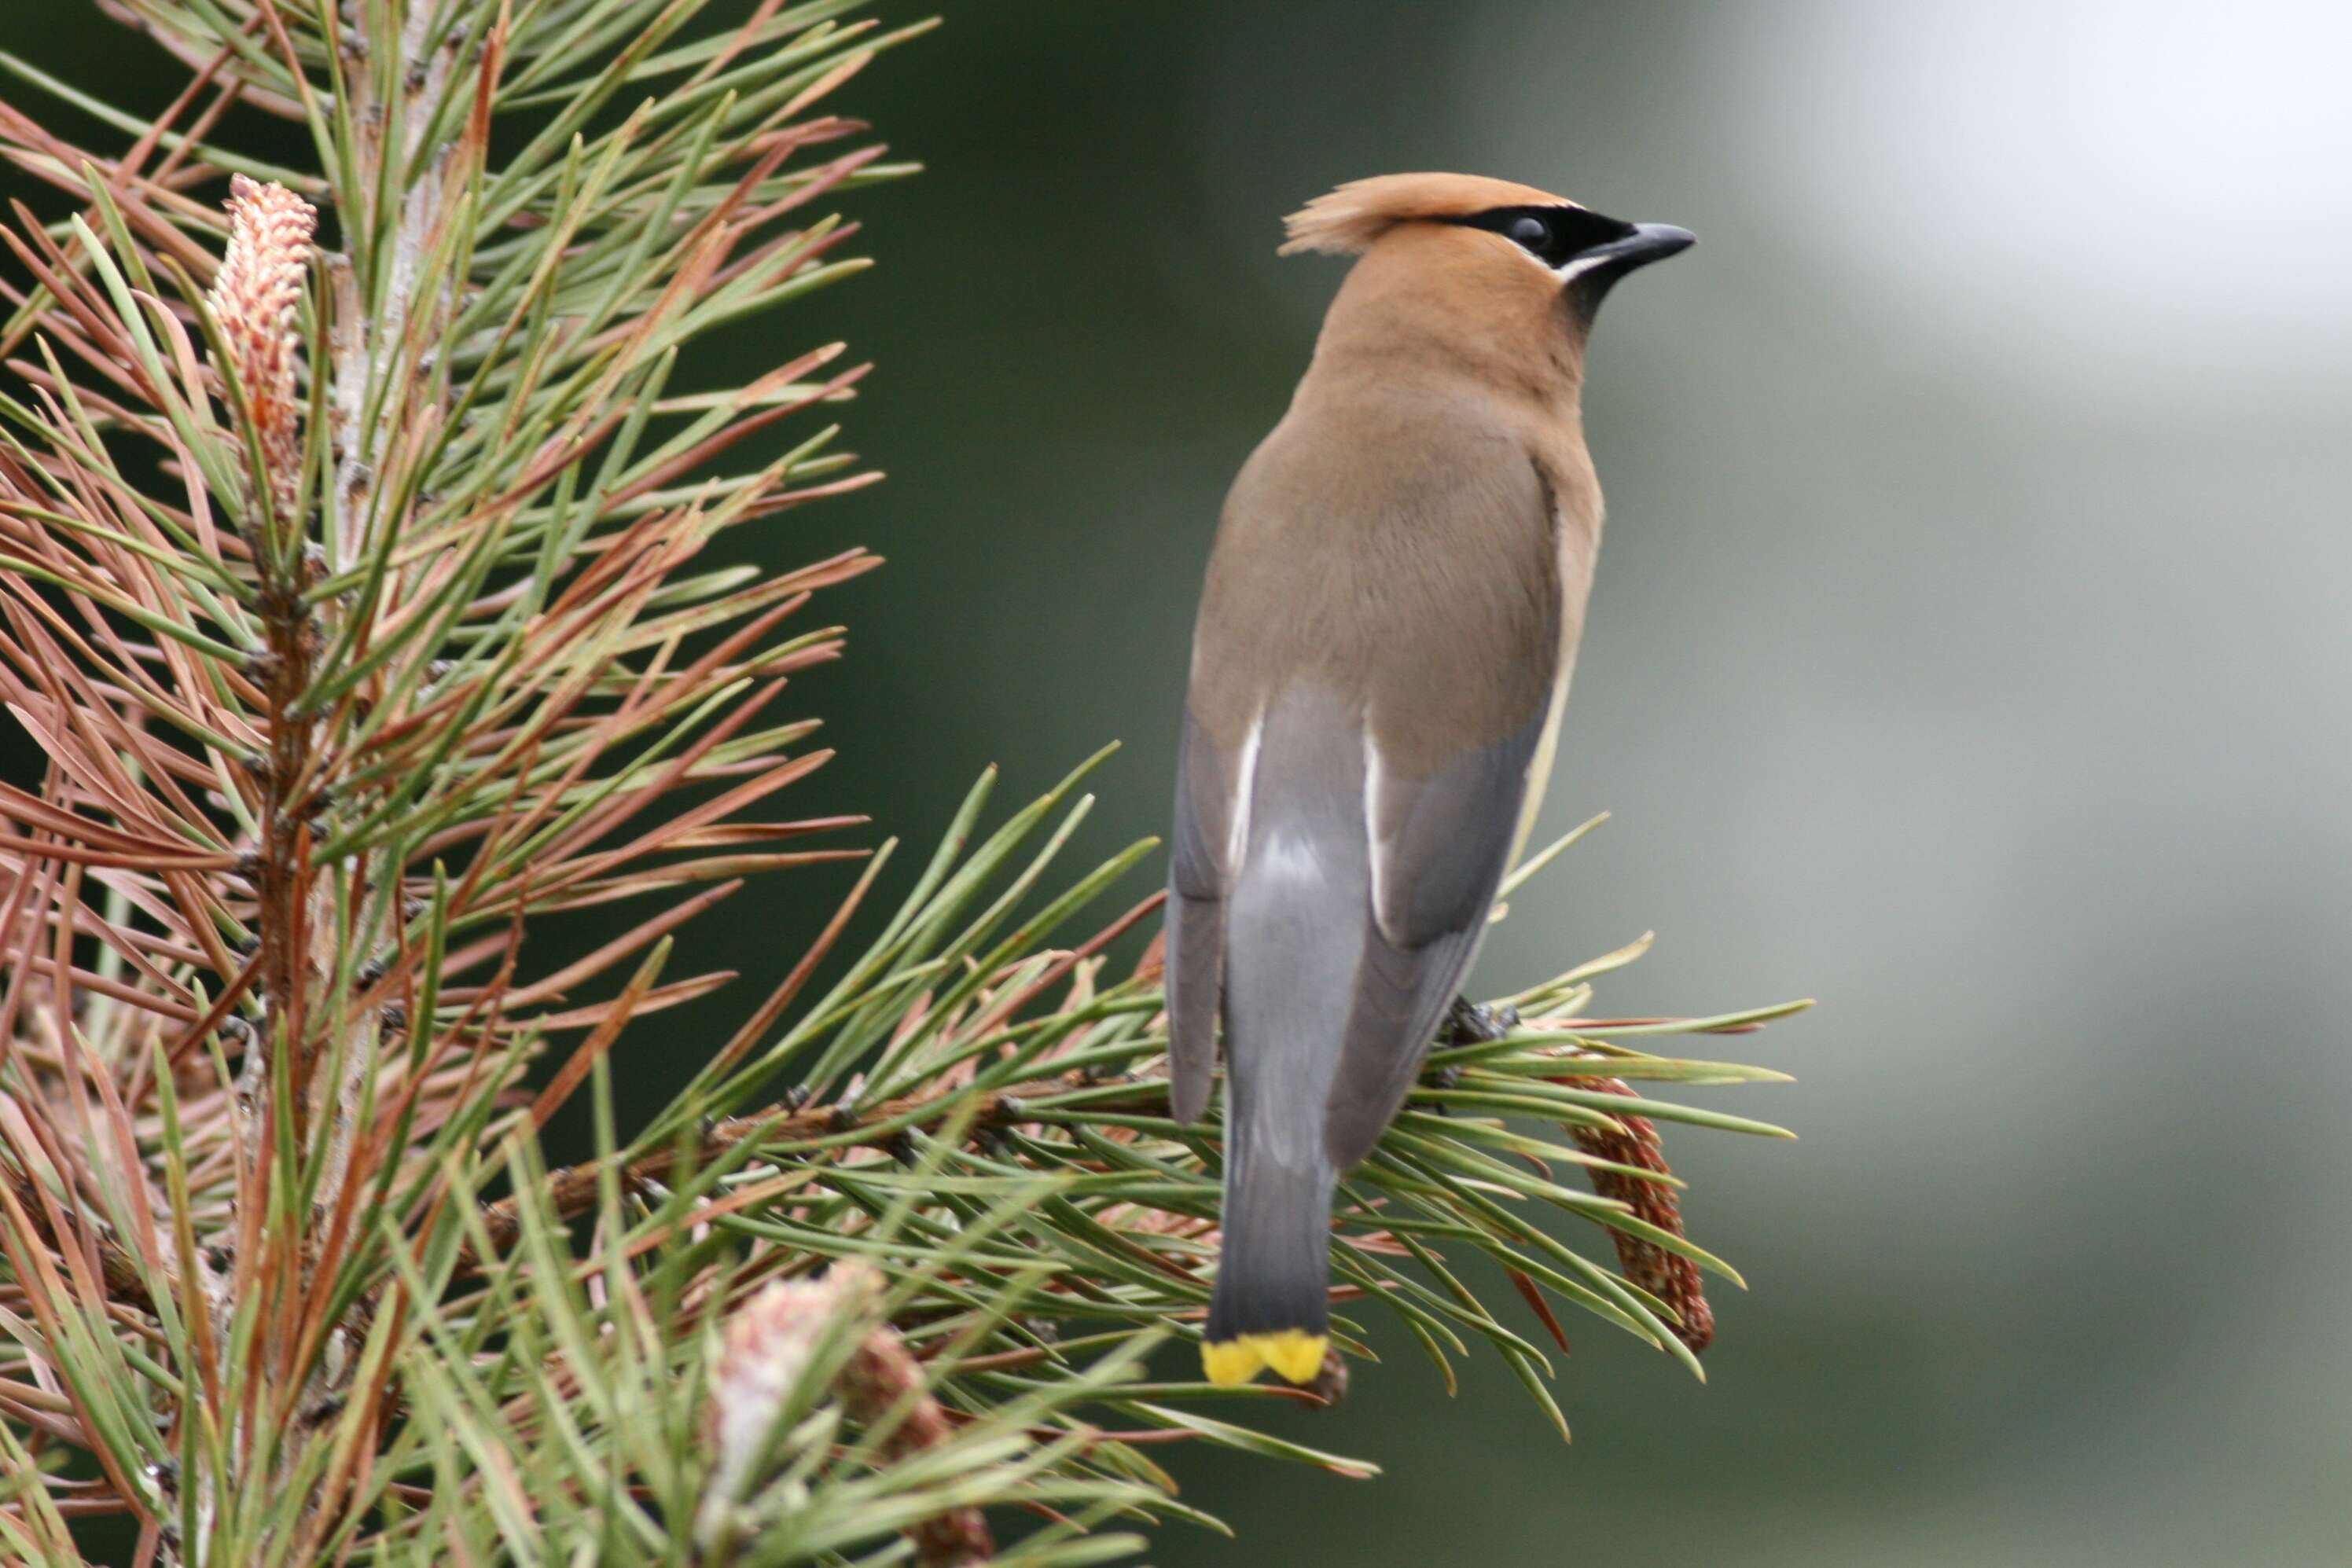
[(1347, 220)]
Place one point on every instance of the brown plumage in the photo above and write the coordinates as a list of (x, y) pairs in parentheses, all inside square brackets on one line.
[(1384, 646)]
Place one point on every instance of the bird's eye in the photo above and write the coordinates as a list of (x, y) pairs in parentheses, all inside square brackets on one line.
[(1531, 231)]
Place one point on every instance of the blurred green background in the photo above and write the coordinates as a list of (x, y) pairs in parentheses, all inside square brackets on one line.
[(1969, 652)]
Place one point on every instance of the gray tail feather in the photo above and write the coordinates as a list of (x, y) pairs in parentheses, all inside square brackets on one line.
[(1276, 1258), (1293, 943)]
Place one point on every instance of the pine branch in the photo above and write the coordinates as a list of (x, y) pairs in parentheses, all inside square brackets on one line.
[(354, 601), (794, 1124)]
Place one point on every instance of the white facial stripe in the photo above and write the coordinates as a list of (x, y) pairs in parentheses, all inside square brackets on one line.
[(1568, 271)]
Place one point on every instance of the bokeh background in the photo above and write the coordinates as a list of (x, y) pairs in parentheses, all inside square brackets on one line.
[(1970, 652)]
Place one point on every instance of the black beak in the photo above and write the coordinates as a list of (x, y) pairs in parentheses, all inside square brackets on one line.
[(1649, 243), (1596, 270)]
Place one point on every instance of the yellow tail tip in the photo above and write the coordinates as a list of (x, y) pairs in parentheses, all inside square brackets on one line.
[(1294, 1353), (1231, 1361)]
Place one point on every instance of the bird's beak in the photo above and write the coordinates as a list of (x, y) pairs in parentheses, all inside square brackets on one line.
[(1647, 244), (1592, 275)]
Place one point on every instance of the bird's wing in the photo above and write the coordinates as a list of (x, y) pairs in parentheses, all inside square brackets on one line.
[(1373, 668), (1440, 847), (1195, 943)]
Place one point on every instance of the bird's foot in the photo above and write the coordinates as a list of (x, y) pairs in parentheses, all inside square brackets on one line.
[(1475, 1023), (1467, 1023)]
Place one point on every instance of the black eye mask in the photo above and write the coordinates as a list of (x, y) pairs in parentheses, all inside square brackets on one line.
[(1553, 235)]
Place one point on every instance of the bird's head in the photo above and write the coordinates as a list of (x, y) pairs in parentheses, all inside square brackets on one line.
[(1485, 261)]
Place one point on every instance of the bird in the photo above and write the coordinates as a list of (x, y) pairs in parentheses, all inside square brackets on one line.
[(1382, 650)]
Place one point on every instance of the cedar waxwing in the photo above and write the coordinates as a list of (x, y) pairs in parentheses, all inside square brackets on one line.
[(1382, 650)]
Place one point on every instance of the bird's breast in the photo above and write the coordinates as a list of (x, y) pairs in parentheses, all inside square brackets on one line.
[(1575, 544)]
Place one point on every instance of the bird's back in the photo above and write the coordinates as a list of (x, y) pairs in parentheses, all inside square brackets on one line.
[(1393, 546)]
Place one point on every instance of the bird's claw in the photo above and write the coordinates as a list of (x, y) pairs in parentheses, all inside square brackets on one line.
[(1467, 1023), (1476, 1023)]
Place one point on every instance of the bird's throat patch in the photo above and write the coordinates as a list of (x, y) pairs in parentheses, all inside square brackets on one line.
[(1294, 1353)]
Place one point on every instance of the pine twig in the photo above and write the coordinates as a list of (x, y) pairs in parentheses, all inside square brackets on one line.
[(572, 1191)]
